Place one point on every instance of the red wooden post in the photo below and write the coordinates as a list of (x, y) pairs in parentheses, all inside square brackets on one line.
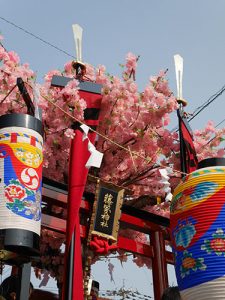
[(132, 218), (159, 266)]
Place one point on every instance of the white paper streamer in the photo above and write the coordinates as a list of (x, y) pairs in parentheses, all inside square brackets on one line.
[(166, 184), (178, 60), (95, 158), (77, 33)]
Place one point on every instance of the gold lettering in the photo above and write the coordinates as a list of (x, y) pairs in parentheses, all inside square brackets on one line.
[(106, 210)]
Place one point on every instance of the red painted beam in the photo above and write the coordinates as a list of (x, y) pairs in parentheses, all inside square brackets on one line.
[(59, 194), (138, 224), (134, 246), (126, 220), (61, 197), (123, 243)]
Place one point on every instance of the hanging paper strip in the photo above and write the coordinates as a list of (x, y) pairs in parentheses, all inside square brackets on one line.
[(21, 159), (166, 184), (198, 232), (79, 155)]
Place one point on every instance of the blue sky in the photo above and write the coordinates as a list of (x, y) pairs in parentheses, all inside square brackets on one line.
[(155, 30)]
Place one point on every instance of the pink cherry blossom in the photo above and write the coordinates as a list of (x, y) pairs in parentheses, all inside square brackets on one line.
[(134, 122)]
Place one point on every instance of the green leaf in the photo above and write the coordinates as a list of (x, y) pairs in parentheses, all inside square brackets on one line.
[(14, 181), (29, 192)]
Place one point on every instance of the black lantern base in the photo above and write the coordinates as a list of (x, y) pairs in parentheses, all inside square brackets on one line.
[(21, 242)]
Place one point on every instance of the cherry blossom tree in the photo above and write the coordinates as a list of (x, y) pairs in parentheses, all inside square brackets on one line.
[(133, 131)]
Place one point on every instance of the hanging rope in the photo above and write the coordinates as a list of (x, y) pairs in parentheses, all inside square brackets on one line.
[(147, 159)]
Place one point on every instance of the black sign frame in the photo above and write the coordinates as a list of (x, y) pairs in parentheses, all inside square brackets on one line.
[(106, 211)]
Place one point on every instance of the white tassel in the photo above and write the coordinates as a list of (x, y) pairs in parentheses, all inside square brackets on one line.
[(95, 158)]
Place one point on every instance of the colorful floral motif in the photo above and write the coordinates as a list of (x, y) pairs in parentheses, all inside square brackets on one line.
[(29, 158), (191, 264), (201, 190), (13, 192), (217, 244), (184, 233), (192, 194), (23, 201)]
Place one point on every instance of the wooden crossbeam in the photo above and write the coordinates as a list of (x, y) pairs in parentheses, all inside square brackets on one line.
[(136, 218), (131, 218), (126, 244)]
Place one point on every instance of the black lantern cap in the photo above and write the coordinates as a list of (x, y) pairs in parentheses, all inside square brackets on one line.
[(21, 120), (211, 162)]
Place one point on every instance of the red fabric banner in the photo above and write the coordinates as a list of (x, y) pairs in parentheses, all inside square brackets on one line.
[(190, 153), (79, 155)]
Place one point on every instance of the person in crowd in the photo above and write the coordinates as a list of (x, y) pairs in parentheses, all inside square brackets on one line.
[(9, 287), (171, 293), (39, 294), (94, 290)]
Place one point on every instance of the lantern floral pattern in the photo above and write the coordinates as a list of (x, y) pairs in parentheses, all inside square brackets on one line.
[(200, 191), (184, 233), (31, 159), (193, 195), (14, 191), (216, 244), (21, 200), (190, 264), (21, 171)]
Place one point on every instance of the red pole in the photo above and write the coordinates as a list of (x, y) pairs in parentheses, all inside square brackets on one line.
[(79, 154), (159, 266)]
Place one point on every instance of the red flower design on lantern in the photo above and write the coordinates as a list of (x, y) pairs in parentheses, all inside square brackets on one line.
[(218, 244), (13, 192), (188, 263)]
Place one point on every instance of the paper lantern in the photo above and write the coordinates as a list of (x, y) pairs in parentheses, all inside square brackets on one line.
[(198, 232), (21, 182)]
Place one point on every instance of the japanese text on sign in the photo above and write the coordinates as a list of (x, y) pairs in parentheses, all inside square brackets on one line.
[(106, 210)]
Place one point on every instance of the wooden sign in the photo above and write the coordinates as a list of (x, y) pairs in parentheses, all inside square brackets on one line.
[(106, 212)]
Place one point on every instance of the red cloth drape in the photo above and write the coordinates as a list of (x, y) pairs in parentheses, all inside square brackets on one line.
[(79, 155), (190, 158)]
